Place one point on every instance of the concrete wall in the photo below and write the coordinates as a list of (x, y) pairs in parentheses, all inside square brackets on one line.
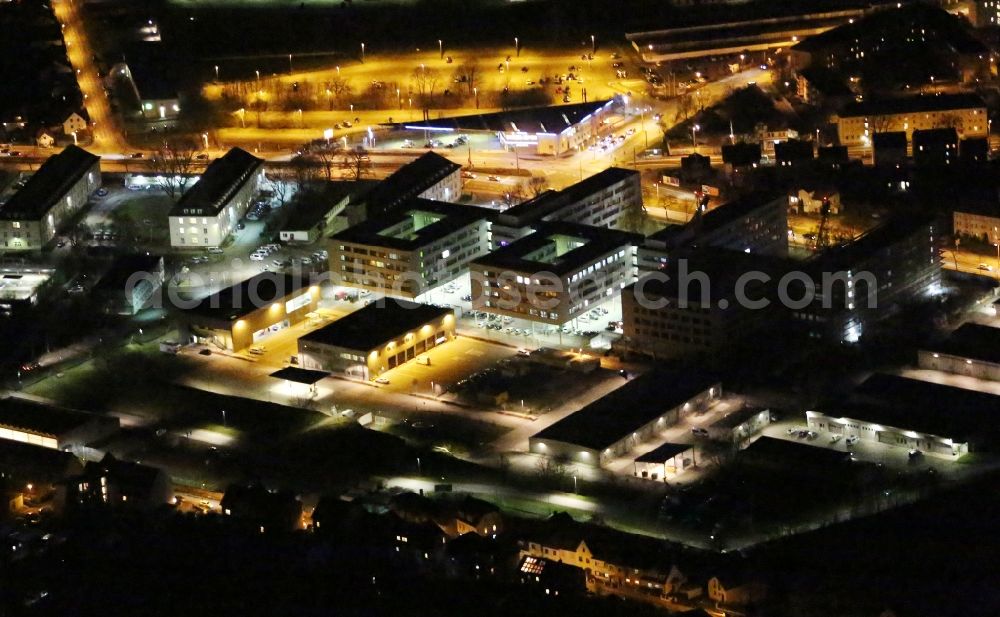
[(958, 365)]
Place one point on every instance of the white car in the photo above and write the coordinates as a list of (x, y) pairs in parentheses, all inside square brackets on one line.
[(257, 257), (851, 440), (382, 380)]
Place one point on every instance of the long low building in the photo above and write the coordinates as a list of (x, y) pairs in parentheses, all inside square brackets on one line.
[(858, 122), (377, 338), (665, 461), (894, 427), (972, 350), (49, 199), (208, 212), (248, 312), (52, 427), (612, 425)]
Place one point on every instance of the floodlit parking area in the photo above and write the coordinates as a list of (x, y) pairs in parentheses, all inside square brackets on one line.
[(892, 456), (435, 371), (426, 140), (21, 284)]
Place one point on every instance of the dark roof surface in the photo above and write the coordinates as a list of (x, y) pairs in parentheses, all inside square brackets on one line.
[(310, 207), (550, 119), (49, 184), (892, 231), (376, 324), (599, 241), (961, 427), (127, 474), (912, 104), (40, 418), (410, 180), (221, 180), (792, 453), (934, 399), (247, 296), (454, 218), (548, 202), (622, 411), (124, 267), (730, 211), (663, 452), (299, 375)]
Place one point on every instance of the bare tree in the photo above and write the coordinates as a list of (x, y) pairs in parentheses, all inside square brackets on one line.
[(357, 163), (685, 105), (338, 88), (172, 165), (466, 73), (282, 187), (538, 185), (305, 169), (514, 196), (425, 80), (880, 123), (325, 156)]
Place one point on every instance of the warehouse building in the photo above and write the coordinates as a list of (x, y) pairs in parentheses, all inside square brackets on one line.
[(52, 427), (49, 199), (410, 249), (739, 426), (911, 429), (972, 350), (612, 425), (665, 461), (376, 338), (555, 274), (598, 201), (208, 212), (248, 312)]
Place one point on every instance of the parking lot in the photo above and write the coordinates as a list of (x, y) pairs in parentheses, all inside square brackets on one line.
[(448, 364)]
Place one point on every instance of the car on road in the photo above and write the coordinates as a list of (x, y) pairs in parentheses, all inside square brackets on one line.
[(523, 352), (852, 439), (215, 250), (137, 155), (494, 179), (914, 454), (382, 380), (985, 267)]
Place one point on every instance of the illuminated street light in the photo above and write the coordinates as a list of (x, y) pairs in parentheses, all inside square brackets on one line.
[(694, 140), (204, 138), (362, 53), (216, 72), (441, 47), (517, 47), (289, 64), (476, 92), (593, 44)]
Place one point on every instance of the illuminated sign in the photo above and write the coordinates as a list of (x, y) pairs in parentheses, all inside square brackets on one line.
[(298, 302)]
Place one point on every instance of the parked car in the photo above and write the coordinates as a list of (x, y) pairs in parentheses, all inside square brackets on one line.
[(699, 432), (382, 380), (852, 439)]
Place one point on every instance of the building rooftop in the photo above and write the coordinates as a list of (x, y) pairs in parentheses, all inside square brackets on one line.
[(583, 243), (539, 207), (376, 324), (243, 298), (889, 139), (154, 69), (738, 417), (949, 135), (792, 454), (221, 180), (49, 184), (410, 180), (24, 414), (917, 103), (124, 266), (442, 218), (29, 461), (939, 402), (622, 411), (552, 119), (892, 231), (663, 452), (131, 477), (308, 208)]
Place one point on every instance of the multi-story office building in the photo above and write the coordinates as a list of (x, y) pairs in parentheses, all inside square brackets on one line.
[(50, 198), (410, 249), (209, 211), (855, 284), (694, 304), (965, 112), (600, 200), (554, 274), (756, 223)]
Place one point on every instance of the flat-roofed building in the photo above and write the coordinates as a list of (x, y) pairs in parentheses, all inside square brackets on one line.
[(377, 338), (410, 249), (599, 201), (692, 303), (50, 426), (858, 122), (248, 312), (208, 212), (130, 284), (429, 176), (891, 426), (665, 461), (50, 199), (972, 350), (554, 274), (316, 213), (755, 223), (613, 424), (740, 425), (856, 284), (978, 221)]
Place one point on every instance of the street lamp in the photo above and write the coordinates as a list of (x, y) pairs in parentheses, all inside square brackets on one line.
[(574, 485), (399, 100), (441, 47), (475, 91), (223, 417), (257, 71), (362, 53), (289, 64), (593, 44), (204, 139), (216, 72), (517, 47), (694, 140), (243, 114)]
